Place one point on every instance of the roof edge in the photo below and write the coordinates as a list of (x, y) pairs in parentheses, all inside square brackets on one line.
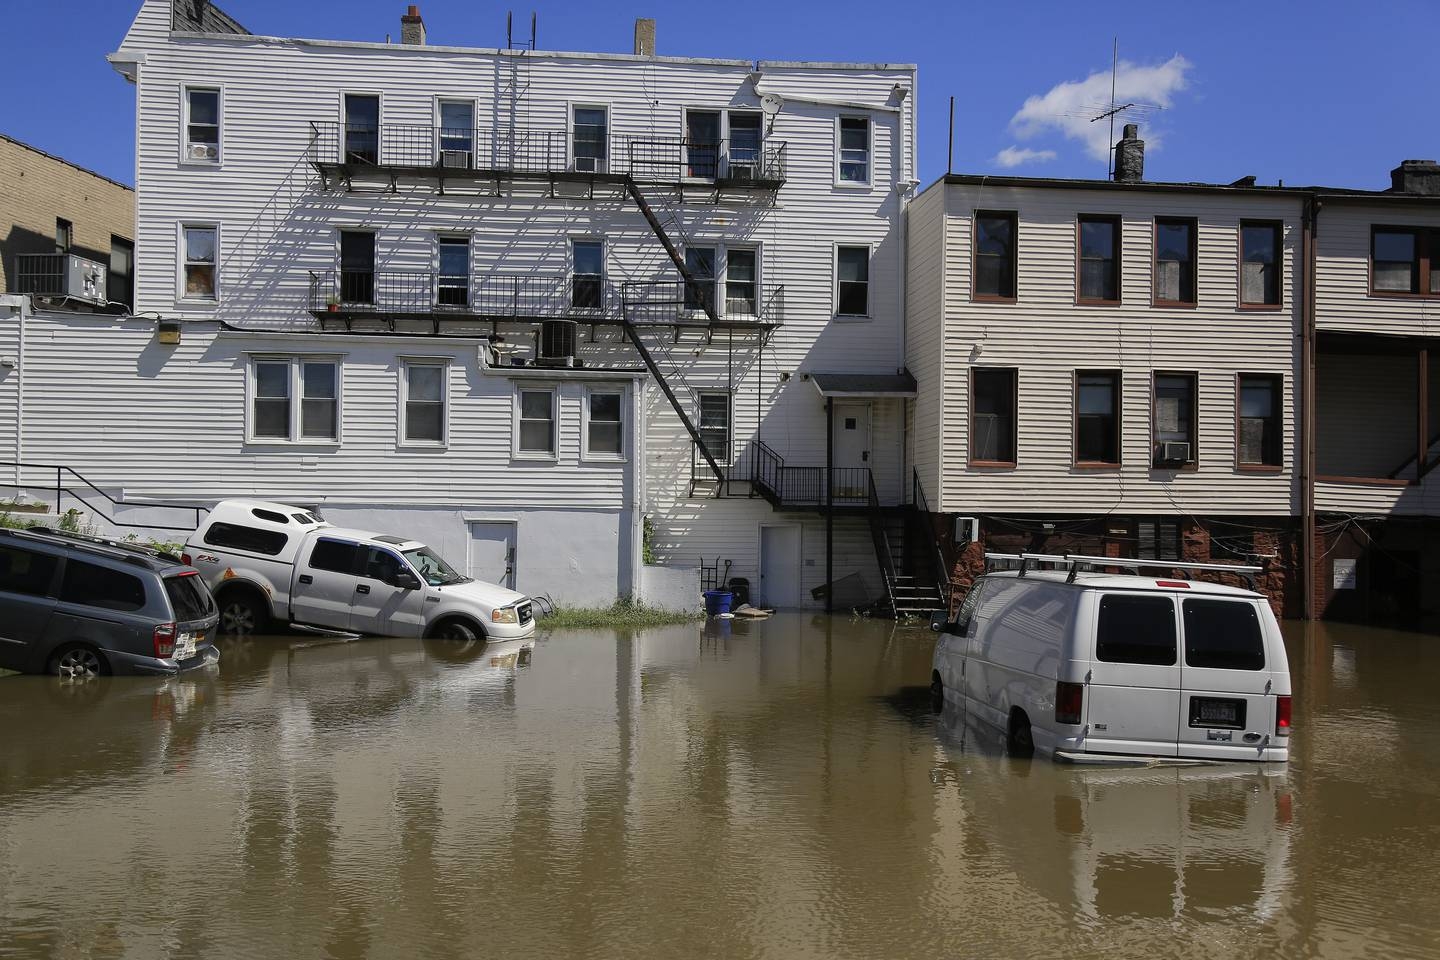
[(69, 163)]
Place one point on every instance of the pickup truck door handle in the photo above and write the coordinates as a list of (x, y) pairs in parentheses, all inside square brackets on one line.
[(363, 588), (306, 578)]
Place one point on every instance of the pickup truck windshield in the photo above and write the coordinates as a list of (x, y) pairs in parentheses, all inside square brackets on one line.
[(436, 572)]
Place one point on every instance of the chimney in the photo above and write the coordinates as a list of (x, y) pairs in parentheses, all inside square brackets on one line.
[(1420, 177), (412, 28), (644, 36), (1130, 156)]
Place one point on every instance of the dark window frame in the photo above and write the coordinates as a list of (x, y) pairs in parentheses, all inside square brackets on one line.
[(358, 553), (52, 585), (226, 542), (1193, 301), (1014, 374), (1116, 248), (976, 295), (1193, 463), (1117, 407), (1278, 248), (720, 456), (89, 588), (1276, 452), (64, 235), (1426, 261), (841, 283)]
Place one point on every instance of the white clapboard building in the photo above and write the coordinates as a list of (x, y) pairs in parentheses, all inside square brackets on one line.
[(550, 312)]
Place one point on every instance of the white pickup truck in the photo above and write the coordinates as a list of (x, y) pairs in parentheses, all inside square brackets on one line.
[(270, 563)]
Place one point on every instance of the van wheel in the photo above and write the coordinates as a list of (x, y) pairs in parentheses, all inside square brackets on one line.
[(937, 693), (1018, 739), (458, 630), (243, 612), (78, 661)]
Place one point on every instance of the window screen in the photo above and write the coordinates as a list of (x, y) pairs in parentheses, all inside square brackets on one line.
[(337, 556), (22, 571), (1224, 634), (249, 539), (1136, 629), (95, 586)]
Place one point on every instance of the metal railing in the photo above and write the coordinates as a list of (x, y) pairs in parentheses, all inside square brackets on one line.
[(492, 296), (881, 539), (676, 301), (789, 486), (675, 159), (66, 476), (923, 524)]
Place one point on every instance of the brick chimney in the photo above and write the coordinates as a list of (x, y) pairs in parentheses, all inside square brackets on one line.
[(412, 28), (1420, 177), (644, 37), (1130, 156)]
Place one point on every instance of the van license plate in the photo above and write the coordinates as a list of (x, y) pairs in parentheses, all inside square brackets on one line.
[(1216, 712)]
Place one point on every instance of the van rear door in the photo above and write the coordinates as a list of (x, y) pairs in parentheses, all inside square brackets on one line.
[(1226, 708), (1134, 691)]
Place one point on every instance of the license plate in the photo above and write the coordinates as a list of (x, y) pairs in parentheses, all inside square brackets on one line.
[(185, 645), (1215, 712)]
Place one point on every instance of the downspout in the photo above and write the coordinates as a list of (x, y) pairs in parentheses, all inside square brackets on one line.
[(829, 504), (639, 396), (20, 392), (1308, 559)]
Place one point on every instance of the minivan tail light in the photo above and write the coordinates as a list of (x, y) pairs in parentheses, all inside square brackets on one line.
[(1282, 716), (165, 640), (1069, 702)]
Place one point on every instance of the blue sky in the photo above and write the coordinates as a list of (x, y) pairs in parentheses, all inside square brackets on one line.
[(1326, 92)]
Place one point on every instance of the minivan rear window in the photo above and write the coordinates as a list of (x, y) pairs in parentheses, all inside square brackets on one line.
[(188, 597), (1224, 634), (338, 556), (27, 572), (249, 539), (1136, 629), (92, 585)]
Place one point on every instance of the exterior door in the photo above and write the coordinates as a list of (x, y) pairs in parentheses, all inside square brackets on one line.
[(492, 552), (1134, 693), (325, 583), (381, 608), (1226, 711), (780, 566), (852, 450)]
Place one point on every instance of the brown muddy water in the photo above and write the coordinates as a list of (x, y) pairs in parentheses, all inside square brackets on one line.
[(776, 789)]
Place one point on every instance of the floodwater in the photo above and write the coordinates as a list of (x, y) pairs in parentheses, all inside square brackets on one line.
[(775, 789)]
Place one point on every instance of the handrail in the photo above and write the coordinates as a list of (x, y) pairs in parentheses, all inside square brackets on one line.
[(61, 489), (943, 574), (881, 539)]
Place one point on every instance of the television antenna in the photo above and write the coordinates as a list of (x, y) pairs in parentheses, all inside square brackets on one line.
[(1109, 111)]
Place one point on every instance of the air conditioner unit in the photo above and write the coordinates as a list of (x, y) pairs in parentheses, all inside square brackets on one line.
[(85, 279), (455, 159), (742, 169), (203, 151), (589, 165), (557, 343), (967, 529), (1172, 452)]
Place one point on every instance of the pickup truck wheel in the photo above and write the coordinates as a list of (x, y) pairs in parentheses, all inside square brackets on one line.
[(457, 630), (243, 612)]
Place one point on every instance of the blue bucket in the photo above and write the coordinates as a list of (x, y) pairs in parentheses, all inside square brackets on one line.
[(717, 602)]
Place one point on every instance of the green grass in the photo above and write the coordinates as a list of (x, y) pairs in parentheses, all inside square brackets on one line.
[(623, 613)]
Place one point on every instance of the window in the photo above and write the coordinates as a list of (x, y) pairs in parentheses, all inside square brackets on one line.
[(382, 565), (1173, 425), (1223, 634), (700, 264), (1136, 629), (702, 144), (362, 128), (1175, 256), (1260, 264), (536, 423), (995, 255), (1257, 426), (202, 125), (26, 572), (604, 430), (590, 138), (740, 278), (588, 265), (188, 598), (745, 140), (336, 556), (1099, 260), (1158, 540), (91, 585), (452, 283), (234, 536), (200, 256), (992, 416), (357, 266), (424, 402), (715, 424), (120, 284), (64, 235), (276, 382), (853, 281), (1404, 260), (854, 150), (457, 134), (1097, 417)]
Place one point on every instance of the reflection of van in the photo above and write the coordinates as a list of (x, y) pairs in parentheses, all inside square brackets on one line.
[(1079, 664)]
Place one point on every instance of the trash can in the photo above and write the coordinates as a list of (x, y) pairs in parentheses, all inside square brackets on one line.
[(717, 602), (741, 588)]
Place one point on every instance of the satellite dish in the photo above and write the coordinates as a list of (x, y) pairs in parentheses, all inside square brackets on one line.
[(771, 104)]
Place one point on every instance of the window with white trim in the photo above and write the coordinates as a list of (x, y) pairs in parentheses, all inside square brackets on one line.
[(852, 284), (700, 264), (425, 402), (202, 124), (535, 423), (295, 400), (589, 139), (854, 156), (605, 424), (714, 424), (199, 256)]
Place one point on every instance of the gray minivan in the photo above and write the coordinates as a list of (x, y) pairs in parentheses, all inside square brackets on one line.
[(82, 606)]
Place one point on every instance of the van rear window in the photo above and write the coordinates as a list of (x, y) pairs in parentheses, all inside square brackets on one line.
[(188, 598), (1136, 629), (1224, 634), (250, 539)]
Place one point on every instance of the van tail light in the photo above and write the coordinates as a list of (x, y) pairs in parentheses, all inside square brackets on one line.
[(165, 640), (185, 559), (1282, 716), (1069, 702)]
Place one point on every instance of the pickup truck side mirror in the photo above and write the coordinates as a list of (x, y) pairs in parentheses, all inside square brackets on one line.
[(405, 580)]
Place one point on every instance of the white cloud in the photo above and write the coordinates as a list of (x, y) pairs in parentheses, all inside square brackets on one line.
[(1014, 156), (1067, 107)]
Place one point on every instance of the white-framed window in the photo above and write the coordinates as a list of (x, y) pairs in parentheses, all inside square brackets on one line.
[(852, 281), (199, 257), (294, 399), (700, 263), (742, 282), (452, 279), (536, 422), (852, 154), (733, 271), (589, 138), (455, 133), (202, 125), (714, 424), (587, 274), (425, 402), (604, 423)]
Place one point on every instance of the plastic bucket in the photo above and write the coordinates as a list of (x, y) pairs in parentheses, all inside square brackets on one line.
[(717, 602)]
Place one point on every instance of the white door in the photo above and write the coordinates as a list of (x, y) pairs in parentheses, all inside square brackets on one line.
[(780, 566), (492, 552), (852, 448), (1227, 711), (1134, 694)]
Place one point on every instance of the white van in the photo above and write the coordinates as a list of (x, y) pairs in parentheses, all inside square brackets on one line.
[(1087, 665)]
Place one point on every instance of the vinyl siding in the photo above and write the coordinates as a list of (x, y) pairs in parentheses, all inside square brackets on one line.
[(1342, 273), (926, 268)]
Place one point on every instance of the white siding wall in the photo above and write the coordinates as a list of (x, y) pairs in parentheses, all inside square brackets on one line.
[(1048, 336), (1342, 272), (924, 293)]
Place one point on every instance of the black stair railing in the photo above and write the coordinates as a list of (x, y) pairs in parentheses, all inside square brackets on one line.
[(881, 540), (942, 568), (65, 483)]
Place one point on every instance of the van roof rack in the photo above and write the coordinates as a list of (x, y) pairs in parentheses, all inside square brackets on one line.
[(1074, 562)]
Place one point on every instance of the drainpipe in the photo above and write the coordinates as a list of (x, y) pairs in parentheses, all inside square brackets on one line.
[(1308, 558), (829, 504)]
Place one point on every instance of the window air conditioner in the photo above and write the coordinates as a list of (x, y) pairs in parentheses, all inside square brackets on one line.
[(587, 164), (967, 529), (1171, 452), (204, 151), (742, 169), (84, 279), (455, 159)]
